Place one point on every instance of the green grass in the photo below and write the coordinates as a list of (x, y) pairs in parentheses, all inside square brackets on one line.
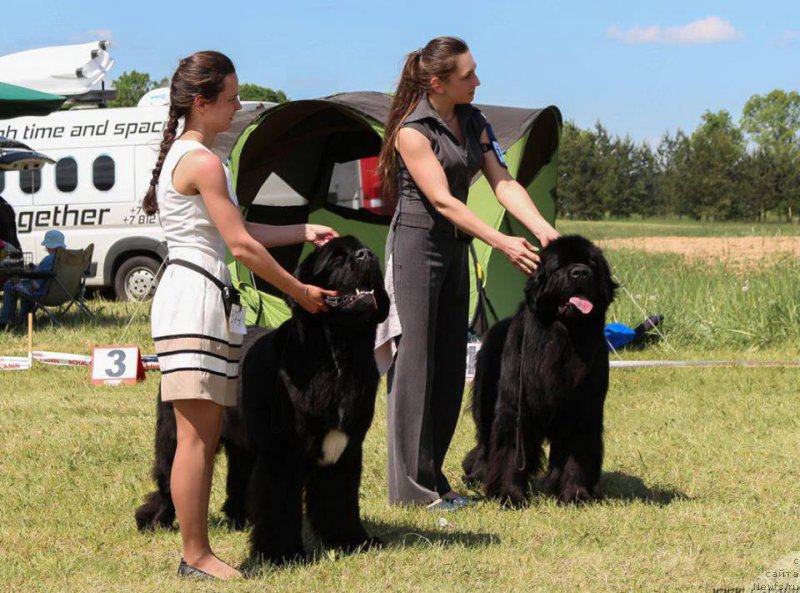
[(708, 306), (699, 476), (700, 470)]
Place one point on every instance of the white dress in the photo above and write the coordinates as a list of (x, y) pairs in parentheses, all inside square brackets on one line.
[(198, 355)]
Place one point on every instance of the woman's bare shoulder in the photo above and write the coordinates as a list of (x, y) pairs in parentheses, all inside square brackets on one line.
[(411, 139)]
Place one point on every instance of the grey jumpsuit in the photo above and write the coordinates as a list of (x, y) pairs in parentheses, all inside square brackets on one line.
[(431, 286)]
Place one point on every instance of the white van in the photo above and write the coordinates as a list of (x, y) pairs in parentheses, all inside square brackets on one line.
[(93, 193)]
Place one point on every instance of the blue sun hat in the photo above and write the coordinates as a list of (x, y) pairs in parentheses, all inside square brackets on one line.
[(53, 239)]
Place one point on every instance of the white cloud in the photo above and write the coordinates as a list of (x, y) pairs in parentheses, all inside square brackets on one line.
[(712, 29), (787, 38)]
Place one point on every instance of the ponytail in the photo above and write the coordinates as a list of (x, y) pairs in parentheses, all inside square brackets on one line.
[(406, 98), (436, 59)]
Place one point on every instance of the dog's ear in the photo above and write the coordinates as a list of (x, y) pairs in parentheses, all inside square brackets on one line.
[(312, 269), (305, 271), (535, 285), (610, 285)]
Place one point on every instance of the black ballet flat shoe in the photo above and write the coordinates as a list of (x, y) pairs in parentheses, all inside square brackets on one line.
[(190, 572)]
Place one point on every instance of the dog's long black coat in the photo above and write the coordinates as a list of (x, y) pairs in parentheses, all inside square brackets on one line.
[(543, 375), (306, 401)]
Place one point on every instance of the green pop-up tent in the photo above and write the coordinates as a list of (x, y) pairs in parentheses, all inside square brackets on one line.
[(16, 101), (302, 141)]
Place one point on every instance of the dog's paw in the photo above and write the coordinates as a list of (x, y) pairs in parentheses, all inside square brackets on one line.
[(155, 513), (575, 494), (512, 500), (508, 495), (516, 504), (372, 543), (279, 558), (360, 546), (236, 516)]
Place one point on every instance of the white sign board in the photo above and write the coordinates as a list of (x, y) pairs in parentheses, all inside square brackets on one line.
[(114, 365)]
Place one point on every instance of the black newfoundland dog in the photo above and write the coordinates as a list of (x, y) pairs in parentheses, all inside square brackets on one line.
[(306, 400), (543, 375)]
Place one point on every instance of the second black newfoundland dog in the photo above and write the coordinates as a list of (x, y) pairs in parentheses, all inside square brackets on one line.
[(306, 400), (543, 375)]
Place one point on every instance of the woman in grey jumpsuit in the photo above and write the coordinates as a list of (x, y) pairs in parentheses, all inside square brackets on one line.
[(435, 142)]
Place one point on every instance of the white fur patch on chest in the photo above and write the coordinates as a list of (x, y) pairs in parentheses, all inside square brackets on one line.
[(333, 446)]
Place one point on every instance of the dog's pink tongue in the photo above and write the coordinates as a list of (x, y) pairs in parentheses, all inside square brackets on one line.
[(582, 304)]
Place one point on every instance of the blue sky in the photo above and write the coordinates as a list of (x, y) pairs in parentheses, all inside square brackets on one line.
[(641, 68)]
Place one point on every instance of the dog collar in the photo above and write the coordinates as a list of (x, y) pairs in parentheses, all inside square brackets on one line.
[(348, 299)]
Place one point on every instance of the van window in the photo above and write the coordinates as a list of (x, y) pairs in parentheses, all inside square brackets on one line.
[(2, 181), (30, 180), (67, 174), (103, 173)]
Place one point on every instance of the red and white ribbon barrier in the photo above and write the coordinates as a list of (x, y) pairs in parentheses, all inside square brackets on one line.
[(66, 359), (150, 361), (15, 363), (61, 358)]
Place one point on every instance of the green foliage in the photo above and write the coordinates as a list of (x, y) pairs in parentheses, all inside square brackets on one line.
[(254, 92), (132, 86), (710, 174), (773, 121), (580, 183), (716, 151)]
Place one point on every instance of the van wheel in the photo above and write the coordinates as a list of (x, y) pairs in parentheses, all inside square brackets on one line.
[(136, 278)]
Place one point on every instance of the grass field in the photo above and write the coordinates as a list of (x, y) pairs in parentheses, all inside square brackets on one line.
[(700, 471)]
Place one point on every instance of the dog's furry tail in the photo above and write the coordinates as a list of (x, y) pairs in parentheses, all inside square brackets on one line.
[(155, 512)]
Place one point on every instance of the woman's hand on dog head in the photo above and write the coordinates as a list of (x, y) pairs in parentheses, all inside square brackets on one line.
[(547, 235), (312, 298), (520, 252), (319, 234)]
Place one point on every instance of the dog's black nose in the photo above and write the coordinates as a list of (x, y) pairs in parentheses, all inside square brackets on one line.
[(580, 272), (361, 254)]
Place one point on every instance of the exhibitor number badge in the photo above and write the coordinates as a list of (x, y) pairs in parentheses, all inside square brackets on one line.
[(237, 320)]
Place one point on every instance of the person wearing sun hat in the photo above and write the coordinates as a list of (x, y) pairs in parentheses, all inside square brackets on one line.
[(53, 240)]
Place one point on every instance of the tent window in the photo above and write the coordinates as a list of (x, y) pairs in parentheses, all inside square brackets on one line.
[(67, 174), (356, 185), (30, 180), (344, 189), (103, 173), (276, 192)]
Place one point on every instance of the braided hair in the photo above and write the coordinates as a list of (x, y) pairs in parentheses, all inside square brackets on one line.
[(201, 74)]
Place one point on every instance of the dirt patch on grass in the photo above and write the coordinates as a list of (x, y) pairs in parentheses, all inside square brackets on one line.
[(741, 252)]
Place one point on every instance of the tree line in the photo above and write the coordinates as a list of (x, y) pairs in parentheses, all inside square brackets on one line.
[(724, 170), (132, 86)]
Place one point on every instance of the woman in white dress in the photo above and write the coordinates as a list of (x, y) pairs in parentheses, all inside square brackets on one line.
[(197, 345)]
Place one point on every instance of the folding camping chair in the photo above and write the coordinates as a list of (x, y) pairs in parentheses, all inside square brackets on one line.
[(67, 287)]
